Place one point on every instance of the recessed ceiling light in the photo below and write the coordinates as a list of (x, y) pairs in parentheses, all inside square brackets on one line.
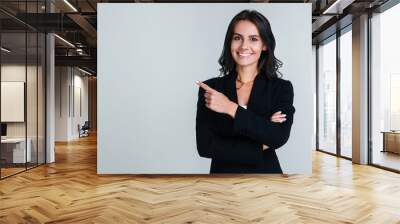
[(337, 7), (70, 5), (84, 71), (64, 40), (5, 50)]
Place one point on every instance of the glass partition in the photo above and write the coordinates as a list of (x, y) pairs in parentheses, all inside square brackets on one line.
[(346, 93), (327, 96), (13, 110), (22, 63), (32, 83), (41, 87), (385, 89), (32, 95)]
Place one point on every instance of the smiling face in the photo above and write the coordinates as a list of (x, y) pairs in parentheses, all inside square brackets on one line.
[(246, 44)]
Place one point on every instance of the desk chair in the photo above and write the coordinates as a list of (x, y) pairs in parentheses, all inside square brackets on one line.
[(84, 130)]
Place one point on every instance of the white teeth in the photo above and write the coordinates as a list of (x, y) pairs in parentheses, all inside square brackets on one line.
[(244, 55)]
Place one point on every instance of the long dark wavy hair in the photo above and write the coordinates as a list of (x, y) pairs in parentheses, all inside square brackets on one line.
[(268, 64)]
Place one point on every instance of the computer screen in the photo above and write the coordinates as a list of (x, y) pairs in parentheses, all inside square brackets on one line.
[(3, 129)]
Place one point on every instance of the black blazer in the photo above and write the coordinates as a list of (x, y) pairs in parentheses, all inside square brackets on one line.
[(235, 145)]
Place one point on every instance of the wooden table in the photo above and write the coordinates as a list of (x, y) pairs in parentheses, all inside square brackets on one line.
[(391, 141)]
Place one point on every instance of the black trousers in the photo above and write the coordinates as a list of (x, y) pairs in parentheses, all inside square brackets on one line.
[(269, 164)]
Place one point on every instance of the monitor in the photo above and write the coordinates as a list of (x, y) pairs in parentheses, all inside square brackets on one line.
[(3, 129)]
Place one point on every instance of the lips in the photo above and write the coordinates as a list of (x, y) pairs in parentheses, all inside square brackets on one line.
[(244, 54)]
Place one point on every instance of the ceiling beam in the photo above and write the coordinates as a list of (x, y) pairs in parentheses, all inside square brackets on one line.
[(84, 24), (85, 61)]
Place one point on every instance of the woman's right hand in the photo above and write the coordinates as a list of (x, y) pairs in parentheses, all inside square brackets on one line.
[(277, 117)]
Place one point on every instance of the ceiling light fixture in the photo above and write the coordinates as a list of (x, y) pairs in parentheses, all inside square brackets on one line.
[(84, 71), (5, 50), (70, 5), (64, 40), (337, 7)]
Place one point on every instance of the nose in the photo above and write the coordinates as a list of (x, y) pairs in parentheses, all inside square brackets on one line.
[(244, 45)]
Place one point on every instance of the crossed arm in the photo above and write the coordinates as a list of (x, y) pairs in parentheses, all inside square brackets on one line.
[(264, 133)]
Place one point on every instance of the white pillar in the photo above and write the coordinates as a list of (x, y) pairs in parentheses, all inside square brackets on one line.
[(50, 91), (360, 90)]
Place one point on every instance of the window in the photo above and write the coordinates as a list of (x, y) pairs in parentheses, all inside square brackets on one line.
[(346, 93), (327, 96), (385, 89)]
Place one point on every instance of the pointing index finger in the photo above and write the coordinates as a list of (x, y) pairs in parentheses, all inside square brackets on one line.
[(205, 86)]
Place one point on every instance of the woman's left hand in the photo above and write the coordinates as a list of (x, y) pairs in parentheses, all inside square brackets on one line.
[(217, 101)]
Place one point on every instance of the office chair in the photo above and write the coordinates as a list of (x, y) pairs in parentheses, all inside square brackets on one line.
[(84, 130)]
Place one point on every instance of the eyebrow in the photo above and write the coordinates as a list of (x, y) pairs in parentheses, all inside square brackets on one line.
[(249, 35)]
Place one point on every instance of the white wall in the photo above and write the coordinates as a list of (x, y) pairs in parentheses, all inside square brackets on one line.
[(79, 117), (15, 73), (18, 73), (61, 103), (149, 57), (67, 117), (33, 126)]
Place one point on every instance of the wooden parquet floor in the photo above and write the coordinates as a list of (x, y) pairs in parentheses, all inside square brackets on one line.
[(70, 191)]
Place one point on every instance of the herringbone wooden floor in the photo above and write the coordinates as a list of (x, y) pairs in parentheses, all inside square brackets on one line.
[(70, 191)]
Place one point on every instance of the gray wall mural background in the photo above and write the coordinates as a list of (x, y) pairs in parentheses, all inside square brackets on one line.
[(149, 57)]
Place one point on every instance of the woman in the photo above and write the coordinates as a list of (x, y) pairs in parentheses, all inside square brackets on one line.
[(247, 113)]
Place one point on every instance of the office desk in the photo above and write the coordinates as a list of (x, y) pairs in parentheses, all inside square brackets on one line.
[(13, 150), (391, 141)]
